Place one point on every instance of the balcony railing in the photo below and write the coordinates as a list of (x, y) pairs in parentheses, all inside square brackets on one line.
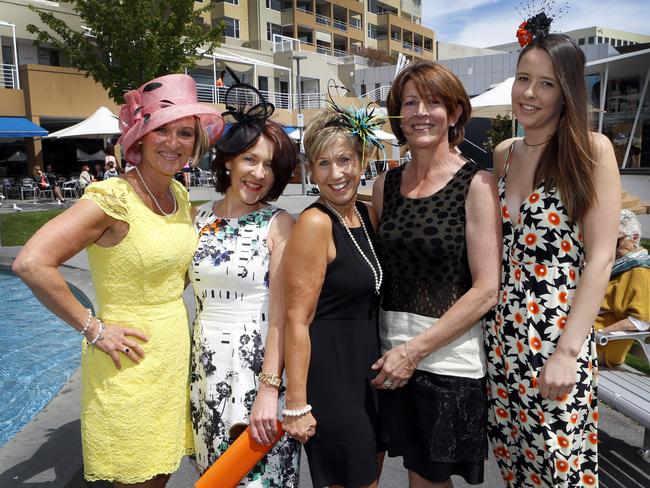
[(283, 43), (217, 94), (377, 95), (355, 23), (8, 77), (322, 19), (407, 45), (340, 25)]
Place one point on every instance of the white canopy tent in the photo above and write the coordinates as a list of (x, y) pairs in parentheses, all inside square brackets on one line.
[(496, 101), (102, 123)]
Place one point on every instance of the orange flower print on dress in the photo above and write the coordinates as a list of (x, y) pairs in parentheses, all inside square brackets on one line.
[(542, 259)]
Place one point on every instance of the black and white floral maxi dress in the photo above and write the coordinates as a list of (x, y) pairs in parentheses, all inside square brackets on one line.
[(539, 442)]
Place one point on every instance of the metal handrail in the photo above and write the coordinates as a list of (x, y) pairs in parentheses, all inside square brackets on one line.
[(322, 19), (340, 25), (8, 76)]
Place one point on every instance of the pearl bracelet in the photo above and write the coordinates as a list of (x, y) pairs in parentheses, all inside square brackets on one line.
[(99, 335), (297, 412), (87, 324)]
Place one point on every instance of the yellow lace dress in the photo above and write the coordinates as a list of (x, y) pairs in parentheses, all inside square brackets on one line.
[(135, 421)]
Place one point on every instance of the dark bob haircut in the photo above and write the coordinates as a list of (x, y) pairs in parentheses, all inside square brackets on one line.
[(283, 162), (430, 79)]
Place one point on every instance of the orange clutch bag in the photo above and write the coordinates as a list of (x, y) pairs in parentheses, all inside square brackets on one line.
[(237, 461)]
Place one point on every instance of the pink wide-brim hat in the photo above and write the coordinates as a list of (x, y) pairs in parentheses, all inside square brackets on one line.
[(158, 102)]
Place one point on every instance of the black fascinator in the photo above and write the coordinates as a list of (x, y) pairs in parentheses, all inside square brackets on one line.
[(246, 113)]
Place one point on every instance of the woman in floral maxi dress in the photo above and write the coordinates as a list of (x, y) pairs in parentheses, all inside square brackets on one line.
[(560, 197)]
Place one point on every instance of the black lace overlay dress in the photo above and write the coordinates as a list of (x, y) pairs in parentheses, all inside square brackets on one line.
[(438, 421)]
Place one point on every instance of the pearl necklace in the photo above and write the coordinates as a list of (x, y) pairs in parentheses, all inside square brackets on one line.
[(378, 274), (155, 200)]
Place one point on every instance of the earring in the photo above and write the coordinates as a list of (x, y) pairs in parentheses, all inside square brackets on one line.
[(227, 172), (451, 126)]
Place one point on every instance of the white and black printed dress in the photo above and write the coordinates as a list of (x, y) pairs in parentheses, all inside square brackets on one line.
[(230, 277)]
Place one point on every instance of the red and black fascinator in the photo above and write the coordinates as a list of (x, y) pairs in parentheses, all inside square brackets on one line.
[(246, 114), (538, 19)]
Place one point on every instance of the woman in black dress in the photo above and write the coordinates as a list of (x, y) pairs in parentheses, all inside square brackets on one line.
[(440, 240), (332, 283)]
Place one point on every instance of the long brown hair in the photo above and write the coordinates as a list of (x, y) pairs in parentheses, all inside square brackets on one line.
[(567, 161)]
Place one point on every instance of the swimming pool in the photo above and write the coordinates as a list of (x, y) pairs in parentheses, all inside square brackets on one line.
[(38, 354)]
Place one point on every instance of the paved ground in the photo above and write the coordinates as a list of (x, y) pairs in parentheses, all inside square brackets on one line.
[(47, 452)]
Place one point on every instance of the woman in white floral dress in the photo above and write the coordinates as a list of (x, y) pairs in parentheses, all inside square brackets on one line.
[(238, 336)]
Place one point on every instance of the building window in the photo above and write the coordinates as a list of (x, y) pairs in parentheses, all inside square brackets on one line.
[(263, 83), (372, 6), (274, 5), (591, 40), (372, 31), (48, 56), (231, 27), (233, 2), (581, 41), (600, 39), (271, 29)]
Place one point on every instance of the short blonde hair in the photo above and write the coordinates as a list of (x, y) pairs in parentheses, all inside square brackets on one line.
[(324, 129)]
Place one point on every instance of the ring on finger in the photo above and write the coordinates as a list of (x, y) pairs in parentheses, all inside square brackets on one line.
[(126, 350), (387, 383)]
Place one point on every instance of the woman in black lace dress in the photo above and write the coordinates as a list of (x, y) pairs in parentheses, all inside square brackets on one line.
[(440, 241)]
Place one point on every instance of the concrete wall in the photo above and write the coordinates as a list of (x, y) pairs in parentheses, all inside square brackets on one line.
[(448, 50)]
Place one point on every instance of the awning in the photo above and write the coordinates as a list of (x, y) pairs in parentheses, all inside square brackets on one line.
[(12, 127)]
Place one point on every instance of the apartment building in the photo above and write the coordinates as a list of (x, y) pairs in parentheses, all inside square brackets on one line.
[(332, 27)]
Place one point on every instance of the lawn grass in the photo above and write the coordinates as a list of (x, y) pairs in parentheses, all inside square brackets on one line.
[(637, 363), (17, 228)]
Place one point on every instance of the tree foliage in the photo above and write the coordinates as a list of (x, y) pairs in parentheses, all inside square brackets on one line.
[(500, 130), (130, 41)]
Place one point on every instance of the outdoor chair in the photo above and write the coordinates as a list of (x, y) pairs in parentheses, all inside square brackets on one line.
[(40, 193), (70, 188), (28, 187), (10, 188)]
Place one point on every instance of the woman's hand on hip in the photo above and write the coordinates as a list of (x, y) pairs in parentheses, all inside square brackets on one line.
[(264, 415), (558, 375), (300, 428), (395, 369), (116, 340)]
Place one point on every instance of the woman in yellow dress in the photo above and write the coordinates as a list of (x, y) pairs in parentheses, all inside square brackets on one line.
[(139, 239)]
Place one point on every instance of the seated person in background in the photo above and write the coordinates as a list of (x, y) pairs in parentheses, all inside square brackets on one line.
[(98, 172), (47, 182), (111, 170), (626, 306), (85, 178)]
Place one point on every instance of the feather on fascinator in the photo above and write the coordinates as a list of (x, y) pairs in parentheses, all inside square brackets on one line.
[(246, 125), (360, 122), (538, 19)]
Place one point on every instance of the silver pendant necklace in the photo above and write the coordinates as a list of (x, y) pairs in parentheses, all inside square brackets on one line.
[(378, 273), (155, 200)]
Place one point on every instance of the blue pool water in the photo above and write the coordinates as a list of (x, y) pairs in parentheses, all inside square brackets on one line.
[(38, 354)]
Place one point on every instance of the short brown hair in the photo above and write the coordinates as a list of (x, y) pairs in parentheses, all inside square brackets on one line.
[(283, 161), (430, 79)]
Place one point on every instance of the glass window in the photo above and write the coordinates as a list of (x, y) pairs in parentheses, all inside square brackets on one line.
[(274, 4), (48, 56), (591, 40), (372, 31), (231, 27), (263, 83), (271, 29), (581, 41), (600, 39)]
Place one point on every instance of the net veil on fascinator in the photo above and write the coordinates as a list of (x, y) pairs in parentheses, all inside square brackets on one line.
[(244, 125), (538, 19)]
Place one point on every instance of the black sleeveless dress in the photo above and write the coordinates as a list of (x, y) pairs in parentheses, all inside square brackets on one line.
[(438, 421), (344, 344)]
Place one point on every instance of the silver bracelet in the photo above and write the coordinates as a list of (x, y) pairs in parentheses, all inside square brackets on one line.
[(99, 335), (87, 324), (297, 412)]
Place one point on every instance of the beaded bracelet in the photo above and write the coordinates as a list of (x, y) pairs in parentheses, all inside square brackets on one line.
[(99, 335), (87, 324), (297, 412)]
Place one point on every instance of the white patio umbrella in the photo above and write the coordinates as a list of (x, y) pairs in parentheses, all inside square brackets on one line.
[(496, 101), (102, 123)]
